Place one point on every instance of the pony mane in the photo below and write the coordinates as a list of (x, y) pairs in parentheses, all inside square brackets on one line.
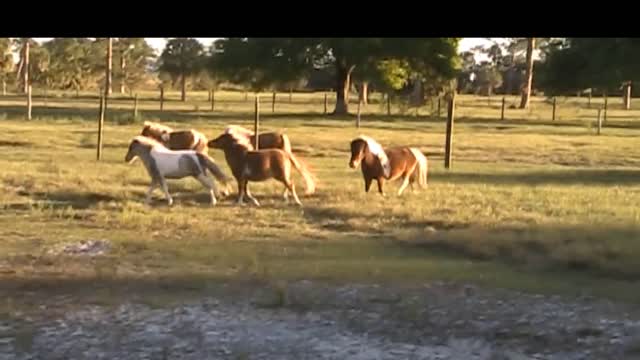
[(157, 126), (378, 151), (240, 135), (147, 141)]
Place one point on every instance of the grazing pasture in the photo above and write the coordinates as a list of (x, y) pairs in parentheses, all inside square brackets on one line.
[(529, 204)]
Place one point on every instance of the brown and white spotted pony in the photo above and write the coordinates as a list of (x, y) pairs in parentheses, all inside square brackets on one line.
[(264, 164), (274, 140), (162, 163), (175, 139), (390, 164)]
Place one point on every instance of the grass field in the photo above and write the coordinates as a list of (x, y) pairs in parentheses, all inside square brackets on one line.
[(530, 204)]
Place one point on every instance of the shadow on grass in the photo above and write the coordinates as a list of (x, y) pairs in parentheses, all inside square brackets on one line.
[(554, 177)]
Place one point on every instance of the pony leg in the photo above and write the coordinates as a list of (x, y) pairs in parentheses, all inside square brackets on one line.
[(405, 182), (367, 184), (246, 189), (380, 183), (165, 189), (240, 193), (292, 188), (149, 192), (209, 184), (286, 195)]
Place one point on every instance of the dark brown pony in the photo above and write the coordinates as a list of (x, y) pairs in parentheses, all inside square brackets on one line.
[(390, 164), (248, 165), (273, 140), (175, 139)]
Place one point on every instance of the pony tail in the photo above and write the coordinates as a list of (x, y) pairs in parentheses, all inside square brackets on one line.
[(286, 143), (215, 170), (421, 168), (310, 183)]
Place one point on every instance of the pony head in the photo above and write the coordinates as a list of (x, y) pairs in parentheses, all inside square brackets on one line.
[(363, 144), (137, 146), (231, 138), (156, 131)]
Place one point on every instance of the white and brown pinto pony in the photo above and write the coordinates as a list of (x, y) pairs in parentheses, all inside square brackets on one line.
[(261, 165), (163, 163), (175, 139), (390, 164), (274, 140)]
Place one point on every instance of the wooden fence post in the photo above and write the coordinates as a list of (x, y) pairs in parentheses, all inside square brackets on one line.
[(504, 101), (606, 100), (256, 123), (439, 107), (100, 126), (29, 102), (213, 99), (599, 120), (553, 112), (273, 102), (388, 105), (161, 98), (448, 149), (325, 103), (135, 106), (358, 118)]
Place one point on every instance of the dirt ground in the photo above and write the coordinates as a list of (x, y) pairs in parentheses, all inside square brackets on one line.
[(305, 320)]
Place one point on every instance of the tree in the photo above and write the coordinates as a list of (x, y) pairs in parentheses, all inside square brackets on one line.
[(23, 65), (263, 61), (526, 91), (600, 63), (6, 62), (134, 56), (182, 57), (75, 62)]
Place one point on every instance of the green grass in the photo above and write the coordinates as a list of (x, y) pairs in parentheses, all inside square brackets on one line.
[(529, 204)]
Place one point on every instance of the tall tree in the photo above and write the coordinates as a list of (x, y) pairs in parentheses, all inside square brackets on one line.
[(75, 62), (23, 65), (263, 60), (182, 57), (526, 91), (6, 62), (134, 56)]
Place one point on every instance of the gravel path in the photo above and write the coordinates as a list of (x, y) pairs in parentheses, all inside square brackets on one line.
[(317, 321)]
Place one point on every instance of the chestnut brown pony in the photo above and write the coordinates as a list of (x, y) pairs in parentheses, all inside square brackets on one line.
[(175, 139), (390, 164), (249, 165), (273, 140)]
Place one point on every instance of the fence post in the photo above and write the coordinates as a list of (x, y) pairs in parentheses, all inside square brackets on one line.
[(388, 105), (209, 95), (256, 123), (606, 100), (100, 126), (29, 102), (135, 106), (325, 103), (599, 120), (358, 118), (273, 102), (589, 98), (504, 101), (448, 149), (553, 112), (439, 107), (161, 98), (213, 99)]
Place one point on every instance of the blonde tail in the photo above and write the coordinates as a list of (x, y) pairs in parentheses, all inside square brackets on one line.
[(286, 144), (310, 183), (421, 167), (207, 162)]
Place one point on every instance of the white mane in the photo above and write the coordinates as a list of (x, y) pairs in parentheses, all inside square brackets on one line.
[(240, 135), (377, 150), (147, 141)]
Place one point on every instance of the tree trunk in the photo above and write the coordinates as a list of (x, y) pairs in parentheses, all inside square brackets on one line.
[(25, 85), (123, 75), (363, 94), (183, 80), (343, 83), (109, 90), (526, 91)]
